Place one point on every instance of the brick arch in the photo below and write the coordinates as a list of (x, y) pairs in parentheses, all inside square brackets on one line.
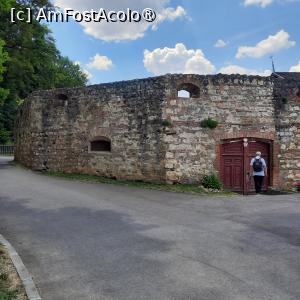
[(189, 84), (100, 132), (271, 136), (101, 137), (192, 88), (259, 136)]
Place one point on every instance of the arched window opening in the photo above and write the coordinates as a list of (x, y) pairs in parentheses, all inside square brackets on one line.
[(184, 94), (188, 90), (100, 145)]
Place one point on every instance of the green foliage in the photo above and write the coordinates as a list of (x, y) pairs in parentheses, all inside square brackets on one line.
[(4, 133), (209, 123), (166, 123), (3, 59), (8, 295), (29, 60), (5, 136), (5, 5), (179, 188), (211, 182), (67, 74)]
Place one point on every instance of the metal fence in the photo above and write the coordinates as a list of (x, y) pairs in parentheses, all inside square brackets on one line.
[(7, 149)]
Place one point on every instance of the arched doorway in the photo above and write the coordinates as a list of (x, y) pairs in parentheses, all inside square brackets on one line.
[(235, 163)]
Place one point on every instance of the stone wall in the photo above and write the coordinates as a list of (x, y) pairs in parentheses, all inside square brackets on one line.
[(287, 103), (242, 105), (54, 130), (156, 135)]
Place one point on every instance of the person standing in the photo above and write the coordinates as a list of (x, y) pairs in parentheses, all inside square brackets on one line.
[(259, 171)]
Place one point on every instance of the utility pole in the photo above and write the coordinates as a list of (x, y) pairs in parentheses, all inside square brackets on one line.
[(273, 66), (273, 69)]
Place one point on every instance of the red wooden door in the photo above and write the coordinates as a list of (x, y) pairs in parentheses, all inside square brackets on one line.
[(235, 164), (232, 171)]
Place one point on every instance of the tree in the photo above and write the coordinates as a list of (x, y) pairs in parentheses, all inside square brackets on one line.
[(66, 73), (34, 62), (3, 59), (5, 5)]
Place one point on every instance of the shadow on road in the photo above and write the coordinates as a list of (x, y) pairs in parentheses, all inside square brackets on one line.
[(103, 252)]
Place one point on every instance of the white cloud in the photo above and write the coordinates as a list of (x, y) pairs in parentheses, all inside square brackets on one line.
[(100, 62), (88, 74), (295, 68), (123, 31), (220, 44), (177, 60), (262, 3), (272, 44), (234, 69), (84, 71), (170, 14)]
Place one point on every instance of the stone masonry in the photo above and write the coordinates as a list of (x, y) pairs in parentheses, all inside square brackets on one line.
[(287, 103), (242, 105), (156, 135)]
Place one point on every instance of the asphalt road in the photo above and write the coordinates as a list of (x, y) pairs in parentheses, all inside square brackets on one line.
[(94, 241)]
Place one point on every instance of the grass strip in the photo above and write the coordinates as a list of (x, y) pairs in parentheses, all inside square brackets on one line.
[(10, 284), (178, 188)]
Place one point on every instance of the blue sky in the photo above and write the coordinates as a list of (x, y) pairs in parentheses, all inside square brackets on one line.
[(185, 38)]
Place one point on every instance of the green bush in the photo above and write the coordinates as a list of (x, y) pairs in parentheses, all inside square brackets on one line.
[(166, 123), (5, 136), (211, 182), (209, 123)]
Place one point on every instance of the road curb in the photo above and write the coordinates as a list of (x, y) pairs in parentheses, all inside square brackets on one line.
[(30, 288)]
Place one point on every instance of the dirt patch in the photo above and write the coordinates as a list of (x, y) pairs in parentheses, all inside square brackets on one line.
[(11, 287)]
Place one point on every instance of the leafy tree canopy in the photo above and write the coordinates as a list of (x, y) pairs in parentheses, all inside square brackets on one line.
[(29, 60), (3, 59)]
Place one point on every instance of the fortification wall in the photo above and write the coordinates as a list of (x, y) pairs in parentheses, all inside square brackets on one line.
[(287, 103), (243, 107), (55, 128), (154, 134)]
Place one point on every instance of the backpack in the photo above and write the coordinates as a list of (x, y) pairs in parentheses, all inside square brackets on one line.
[(257, 165)]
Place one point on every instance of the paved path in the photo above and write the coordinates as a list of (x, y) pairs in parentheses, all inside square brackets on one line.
[(94, 241)]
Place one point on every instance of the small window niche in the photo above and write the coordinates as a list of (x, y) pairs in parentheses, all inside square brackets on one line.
[(183, 94), (101, 144), (62, 97), (188, 90)]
